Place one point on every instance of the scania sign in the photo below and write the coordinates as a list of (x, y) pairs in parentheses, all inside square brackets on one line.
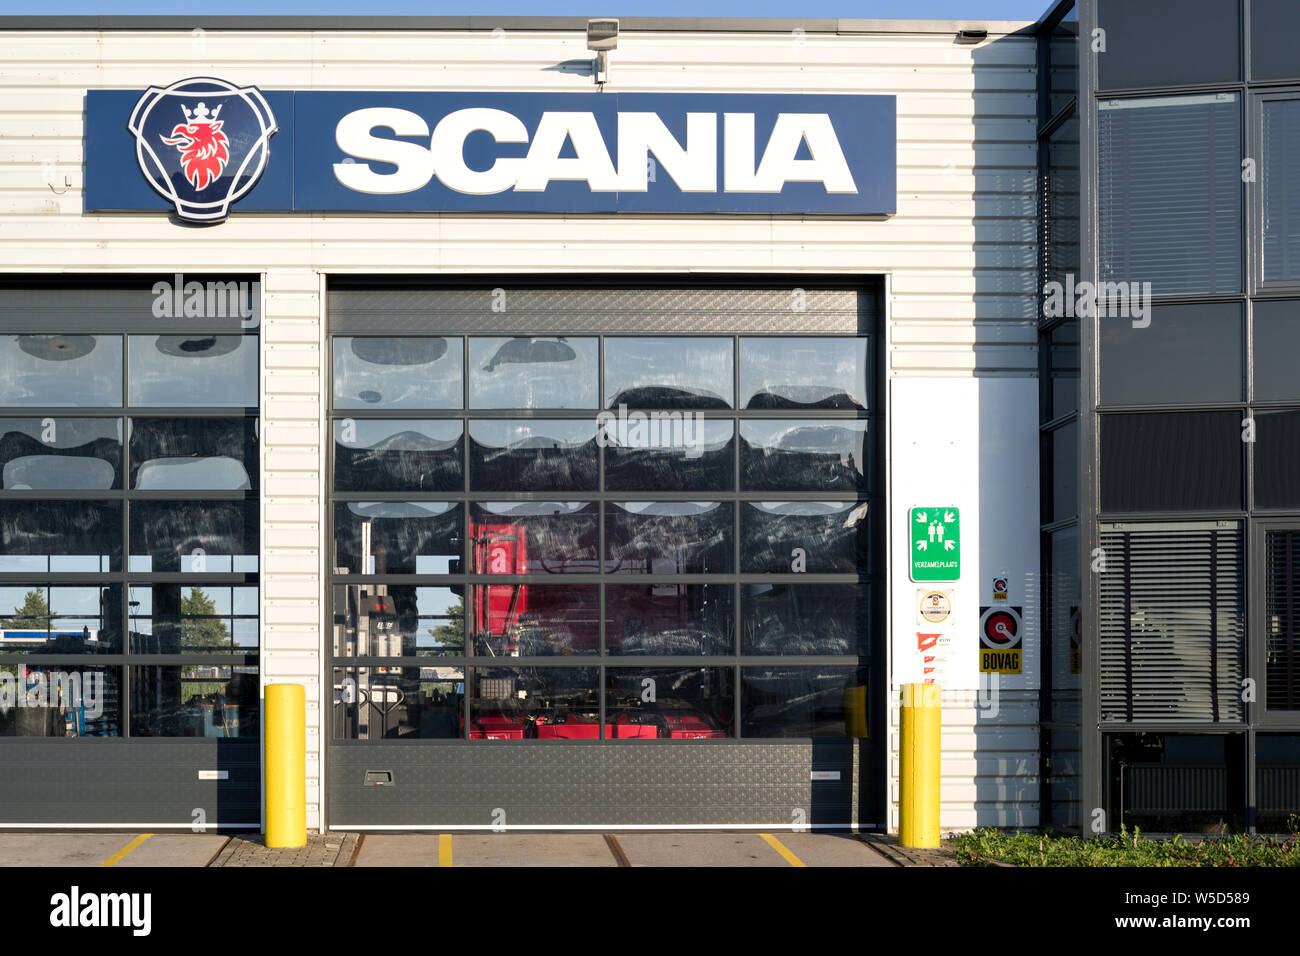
[(801, 154)]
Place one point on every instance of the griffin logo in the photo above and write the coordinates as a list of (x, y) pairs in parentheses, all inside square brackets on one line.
[(217, 155)]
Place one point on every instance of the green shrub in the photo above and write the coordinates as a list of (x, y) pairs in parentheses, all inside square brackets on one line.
[(988, 845)]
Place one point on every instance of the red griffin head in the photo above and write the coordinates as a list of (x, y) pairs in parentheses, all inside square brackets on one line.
[(204, 148)]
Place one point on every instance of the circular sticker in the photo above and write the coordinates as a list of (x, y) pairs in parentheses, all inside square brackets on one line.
[(935, 606), (1000, 628)]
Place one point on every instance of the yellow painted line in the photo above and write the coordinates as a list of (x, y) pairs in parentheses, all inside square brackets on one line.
[(444, 849), (131, 847), (780, 847)]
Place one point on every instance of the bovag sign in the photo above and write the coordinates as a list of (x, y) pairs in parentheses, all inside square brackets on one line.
[(204, 147)]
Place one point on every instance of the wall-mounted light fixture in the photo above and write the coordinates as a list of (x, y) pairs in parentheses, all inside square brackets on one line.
[(602, 37)]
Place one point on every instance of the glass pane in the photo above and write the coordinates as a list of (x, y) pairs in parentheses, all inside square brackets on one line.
[(398, 620), (199, 454), (824, 619), (1064, 444), (1282, 619), (803, 702), (820, 537), (383, 703), (195, 700), (398, 537), (534, 703), (669, 537), (1171, 461), (1063, 351), (60, 701), (1277, 763), (185, 619), (196, 537), (690, 455), (534, 537), (682, 372), (60, 619), (535, 620), (1277, 458), (685, 703), (1188, 354), (534, 455), (387, 455), (416, 372), (193, 370), (1276, 327), (1280, 185), (794, 455), (72, 454), (803, 372), (60, 536), (1062, 599), (81, 370), (534, 372), (670, 619)]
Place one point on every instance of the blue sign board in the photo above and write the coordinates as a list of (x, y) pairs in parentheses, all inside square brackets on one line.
[(202, 146)]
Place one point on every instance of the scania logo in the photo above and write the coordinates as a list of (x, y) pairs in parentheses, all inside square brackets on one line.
[(202, 143)]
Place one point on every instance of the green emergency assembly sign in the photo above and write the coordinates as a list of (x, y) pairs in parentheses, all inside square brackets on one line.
[(936, 544)]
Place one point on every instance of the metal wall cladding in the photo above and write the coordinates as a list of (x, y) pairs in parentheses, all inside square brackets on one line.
[(607, 784), (146, 782)]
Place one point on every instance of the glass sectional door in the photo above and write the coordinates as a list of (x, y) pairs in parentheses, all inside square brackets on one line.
[(615, 568)]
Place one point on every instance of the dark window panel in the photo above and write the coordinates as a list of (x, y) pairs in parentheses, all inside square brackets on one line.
[(201, 454), (1062, 599), (1171, 461), (686, 455), (1161, 44), (61, 370), (789, 372), (533, 372), (1063, 444), (822, 619), (832, 536), (1188, 354), (424, 703), (59, 536), (534, 703), (670, 619), (61, 701), (1274, 25), (1169, 196), (1279, 182), (535, 620), (1282, 620), (67, 454), (688, 703), (391, 372), (192, 370), (669, 537), (194, 536), (1277, 763), (392, 455), (1276, 332), (398, 620), (533, 455), (803, 702), (805, 455), (398, 537), (1277, 459), (195, 700), (193, 619), (60, 619), (534, 537), (1063, 354), (667, 373)]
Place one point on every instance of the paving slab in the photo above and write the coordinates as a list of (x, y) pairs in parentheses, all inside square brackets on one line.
[(398, 849), (329, 849), (530, 849), (699, 849), (61, 849), (175, 849)]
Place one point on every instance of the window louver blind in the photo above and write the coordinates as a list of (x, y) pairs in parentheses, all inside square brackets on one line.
[(1282, 671), (1169, 192), (1171, 624), (1279, 176)]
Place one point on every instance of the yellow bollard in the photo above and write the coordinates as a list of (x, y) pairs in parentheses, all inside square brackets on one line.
[(919, 780), (286, 765)]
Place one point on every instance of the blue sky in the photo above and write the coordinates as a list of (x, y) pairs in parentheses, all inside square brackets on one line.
[(889, 9)]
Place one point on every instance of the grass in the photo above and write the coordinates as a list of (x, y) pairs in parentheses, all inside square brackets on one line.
[(987, 845)]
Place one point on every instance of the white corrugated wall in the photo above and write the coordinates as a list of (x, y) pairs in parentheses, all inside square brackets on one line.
[(960, 252)]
